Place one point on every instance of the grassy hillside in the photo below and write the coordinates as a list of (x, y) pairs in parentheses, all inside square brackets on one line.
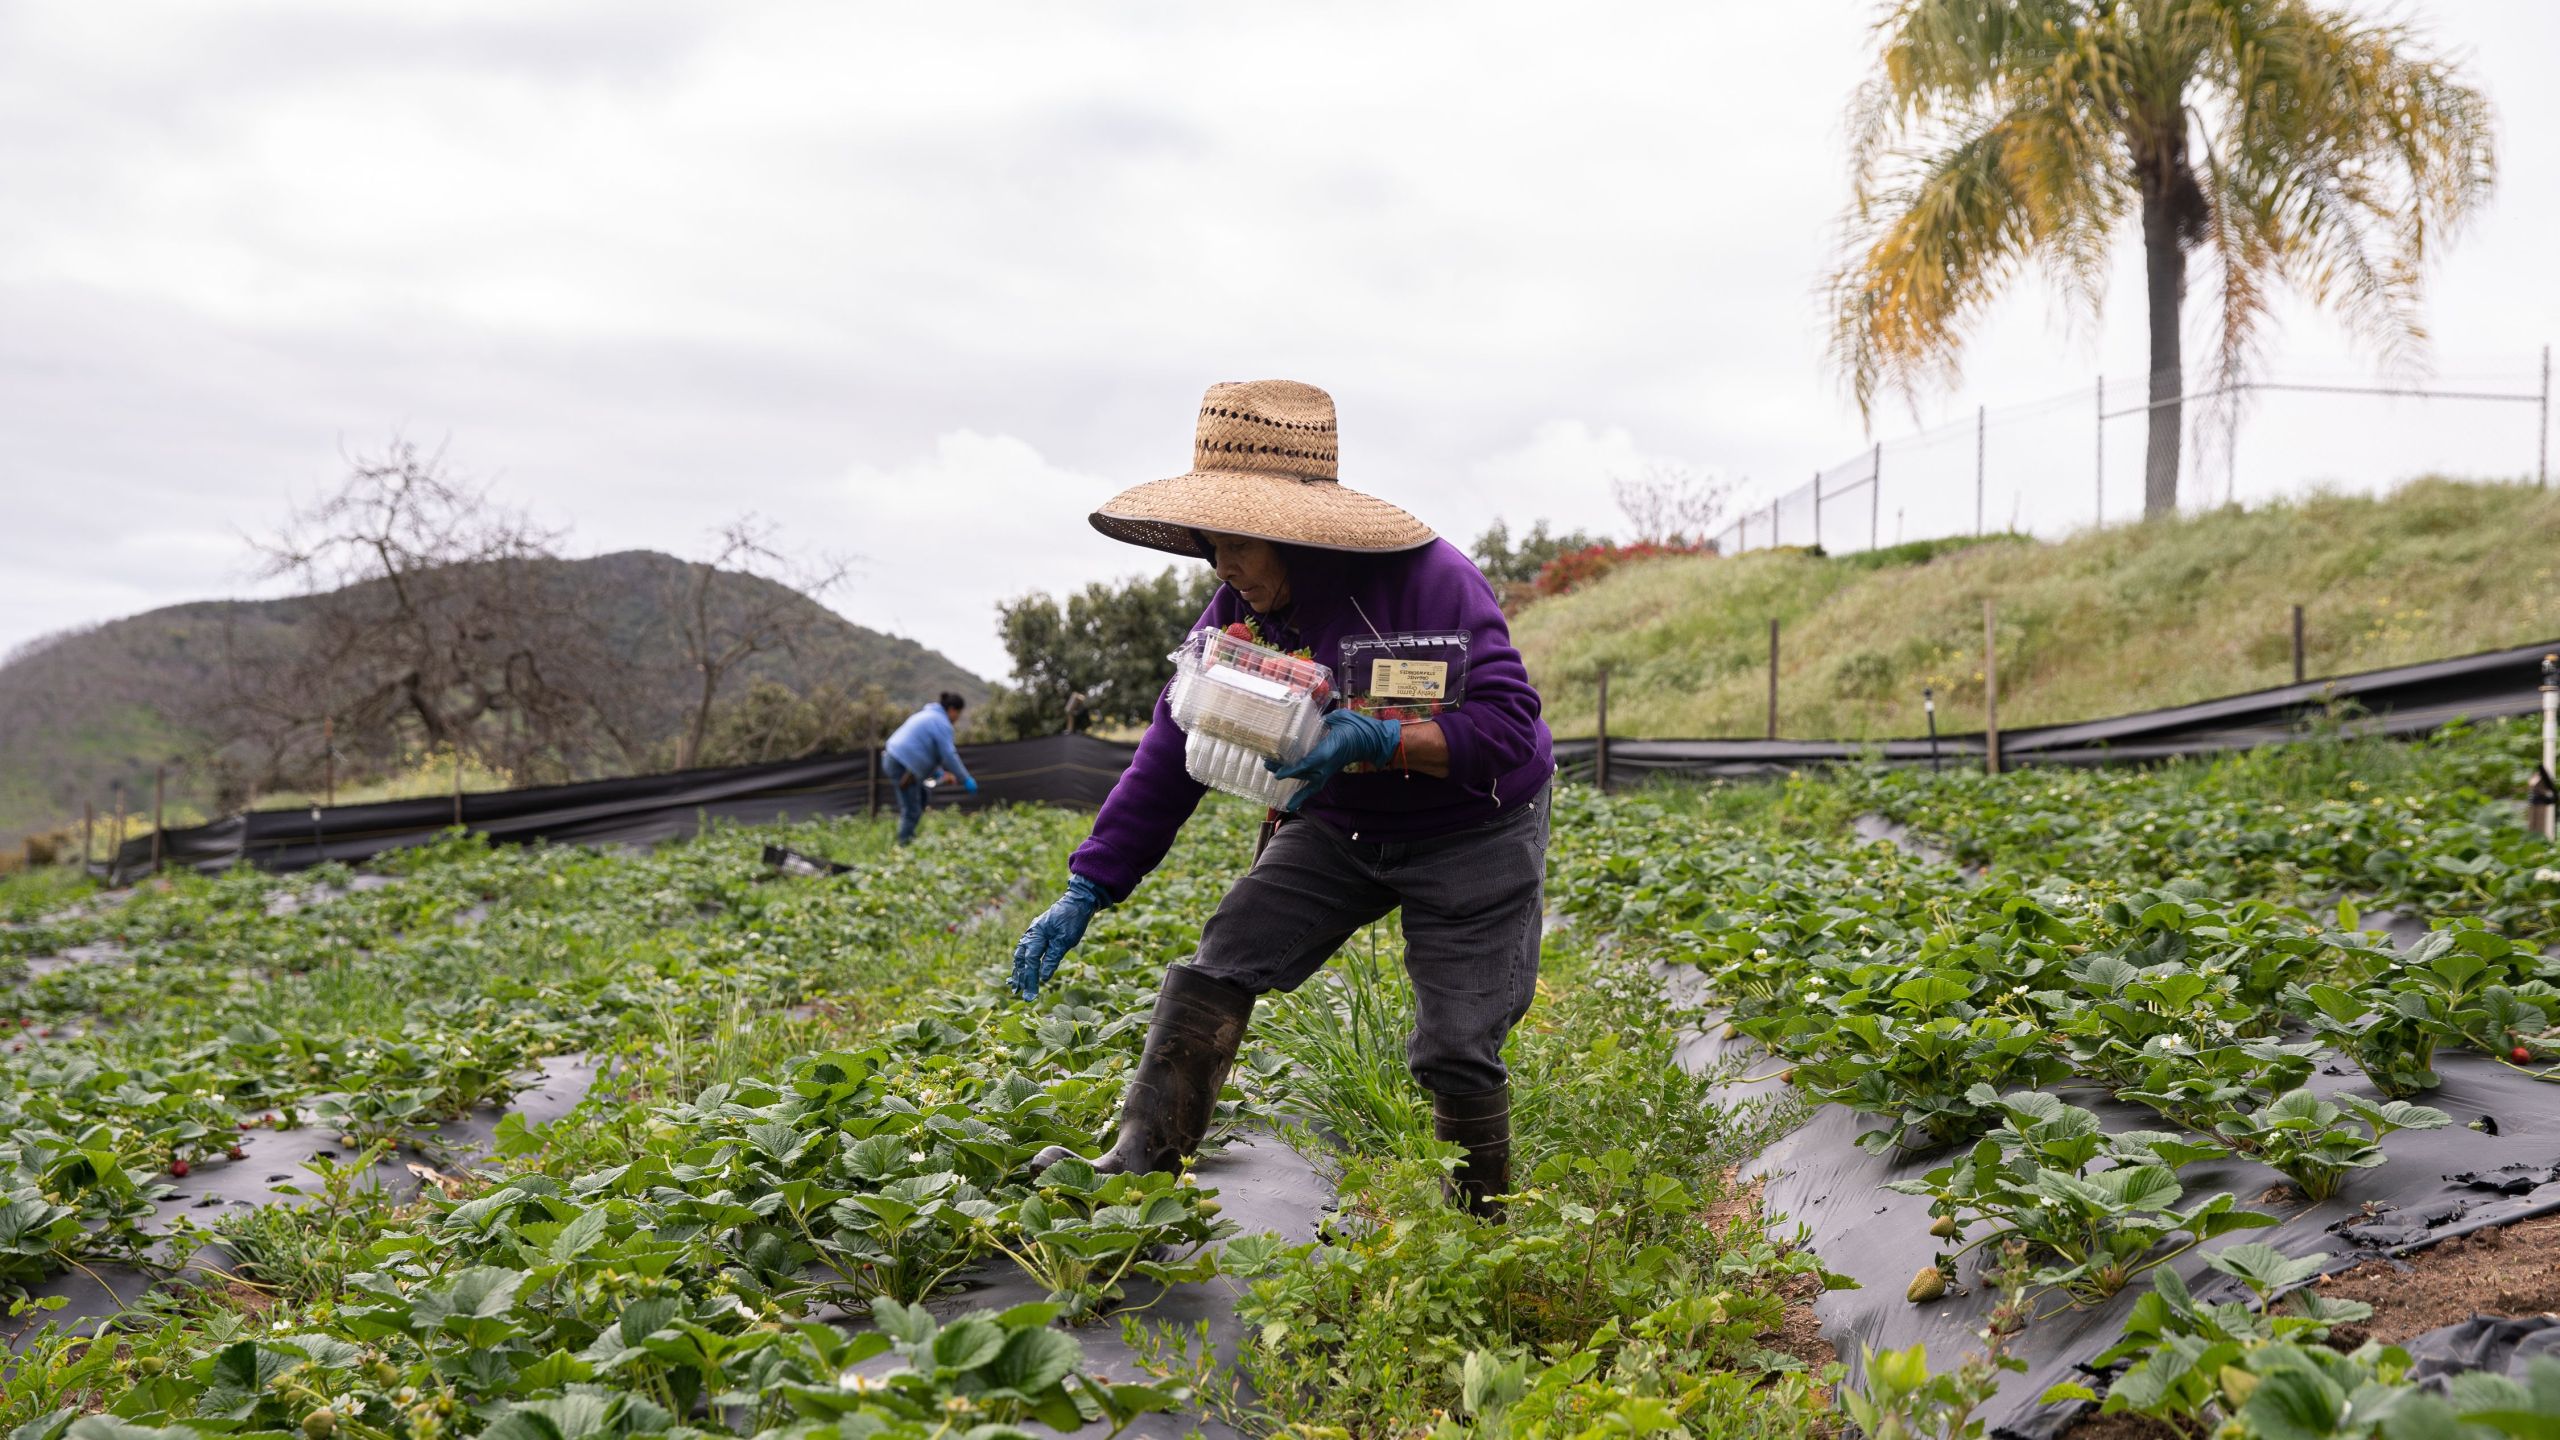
[(85, 710), (2117, 620)]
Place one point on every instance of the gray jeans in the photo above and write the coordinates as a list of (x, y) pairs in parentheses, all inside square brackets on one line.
[(1474, 904)]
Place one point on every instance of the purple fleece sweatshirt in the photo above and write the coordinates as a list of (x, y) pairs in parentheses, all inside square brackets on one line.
[(1499, 750)]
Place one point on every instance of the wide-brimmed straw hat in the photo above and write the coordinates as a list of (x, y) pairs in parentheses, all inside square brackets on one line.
[(1263, 464)]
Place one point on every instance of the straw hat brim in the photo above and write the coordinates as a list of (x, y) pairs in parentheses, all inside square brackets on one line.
[(1163, 514)]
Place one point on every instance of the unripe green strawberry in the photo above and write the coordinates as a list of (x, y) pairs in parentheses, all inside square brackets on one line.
[(1928, 1285)]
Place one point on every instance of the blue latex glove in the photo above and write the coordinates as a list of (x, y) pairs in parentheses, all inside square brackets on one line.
[(1350, 738), (1055, 933), (969, 783)]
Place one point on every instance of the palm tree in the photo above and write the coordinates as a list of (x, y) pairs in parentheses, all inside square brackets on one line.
[(2296, 141)]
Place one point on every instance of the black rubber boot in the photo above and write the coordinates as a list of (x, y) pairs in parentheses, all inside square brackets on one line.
[(1481, 1124), (1191, 1045)]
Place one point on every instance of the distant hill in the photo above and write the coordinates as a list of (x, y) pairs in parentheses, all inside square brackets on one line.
[(2104, 622), (82, 710)]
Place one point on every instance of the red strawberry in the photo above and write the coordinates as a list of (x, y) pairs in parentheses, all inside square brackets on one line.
[(244, 1124), (236, 1153), (2520, 1054), (1241, 631), (178, 1168)]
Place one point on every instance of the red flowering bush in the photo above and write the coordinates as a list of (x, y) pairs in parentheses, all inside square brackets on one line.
[(1574, 569)]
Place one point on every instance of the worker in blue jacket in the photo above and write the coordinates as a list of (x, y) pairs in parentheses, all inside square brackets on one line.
[(922, 749)]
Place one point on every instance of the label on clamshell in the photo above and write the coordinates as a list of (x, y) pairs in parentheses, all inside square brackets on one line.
[(1409, 679)]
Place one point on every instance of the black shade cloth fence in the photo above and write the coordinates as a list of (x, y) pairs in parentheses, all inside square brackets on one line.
[(1070, 770), (2402, 700), (1078, 770)]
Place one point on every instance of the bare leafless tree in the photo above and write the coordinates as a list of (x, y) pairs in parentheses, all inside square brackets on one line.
[(435, 617), (1670, 504), (722, 625)]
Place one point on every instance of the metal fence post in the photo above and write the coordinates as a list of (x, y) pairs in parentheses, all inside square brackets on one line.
[(1990, 687), (1773, 678), (1875, 498), (2231, 446), (2297, 644), (1600, 741), (2551, 739)]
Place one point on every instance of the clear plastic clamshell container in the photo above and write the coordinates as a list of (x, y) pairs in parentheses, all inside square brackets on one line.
[(1241, 704), (1228, 766)]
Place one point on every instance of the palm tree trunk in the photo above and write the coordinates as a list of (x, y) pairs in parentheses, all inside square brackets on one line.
[(2165, 270)]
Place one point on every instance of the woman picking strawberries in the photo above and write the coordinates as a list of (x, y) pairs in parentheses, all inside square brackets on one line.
[(1427, 791)]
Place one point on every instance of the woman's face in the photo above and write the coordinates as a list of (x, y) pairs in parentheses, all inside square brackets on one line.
[(1253, 568)]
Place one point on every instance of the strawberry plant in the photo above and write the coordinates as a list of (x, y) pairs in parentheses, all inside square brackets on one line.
[(1083, 1235), (2463, 985), (1924, 1075), (2197, 1089), (2094, 1210), (2177, 1348), (2302, 1136)]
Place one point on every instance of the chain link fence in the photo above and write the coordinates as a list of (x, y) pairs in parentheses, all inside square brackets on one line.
[(2084, 458)]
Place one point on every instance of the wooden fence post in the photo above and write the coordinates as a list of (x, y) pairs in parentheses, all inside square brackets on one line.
[(2297, 644), (88, 835), (115, 847), (159, 812), (1773, 679), (457, 785), (329, 759), (1990, 687), (871, 774), (1600, 744)]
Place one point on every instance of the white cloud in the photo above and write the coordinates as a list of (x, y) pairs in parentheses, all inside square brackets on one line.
[(977, 520), (652, 264), (1564, 473)]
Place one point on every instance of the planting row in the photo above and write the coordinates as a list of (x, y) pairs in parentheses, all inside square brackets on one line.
[(1946, 1005), (687, 1284), (2428, 827), (208, 1012), (664, 1259)]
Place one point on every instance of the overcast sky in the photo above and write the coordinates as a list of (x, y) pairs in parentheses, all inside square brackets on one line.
[(925, 283)]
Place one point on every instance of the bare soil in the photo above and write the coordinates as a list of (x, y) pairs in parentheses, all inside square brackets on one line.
[(2124, 1427), (2512, 1271), (1798, 1333)]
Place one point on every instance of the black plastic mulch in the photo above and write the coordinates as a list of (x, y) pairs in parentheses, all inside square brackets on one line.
[(2436, 1185)]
